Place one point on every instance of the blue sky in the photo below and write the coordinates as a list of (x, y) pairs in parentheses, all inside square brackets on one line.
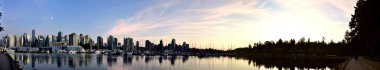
[(51, 16), (222, 23)]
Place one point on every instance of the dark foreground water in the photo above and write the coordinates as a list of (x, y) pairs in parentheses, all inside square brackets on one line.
[(58, 61)]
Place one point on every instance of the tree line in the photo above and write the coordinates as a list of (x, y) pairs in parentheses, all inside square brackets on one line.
[(302, 47)]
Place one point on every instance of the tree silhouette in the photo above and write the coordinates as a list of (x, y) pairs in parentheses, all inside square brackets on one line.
[(290, 47), (1, 28), (364, 34)]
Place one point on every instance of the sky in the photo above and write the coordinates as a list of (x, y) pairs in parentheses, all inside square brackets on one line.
[(220, 24)]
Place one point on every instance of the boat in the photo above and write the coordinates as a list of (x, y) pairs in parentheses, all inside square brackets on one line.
[(72, 52), (97, 52), (128, 53)]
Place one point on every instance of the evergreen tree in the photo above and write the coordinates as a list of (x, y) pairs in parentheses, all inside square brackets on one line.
[(364, 34)]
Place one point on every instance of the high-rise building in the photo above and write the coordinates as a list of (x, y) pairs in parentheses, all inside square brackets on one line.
[(161, 45), (40, 41), (148, 45), (86, 39), (17, 42), (60, 36), (53, 38), (27, 40), (65, 38), (185, 46), (110, 42), (81, 39), (128, 44), (74, 39), (115, 43), (173, 44), (21, 40), (10, 41), (137, 45), (33, 43), (100, 42), (6, 41), (49, 40), (91, 44)]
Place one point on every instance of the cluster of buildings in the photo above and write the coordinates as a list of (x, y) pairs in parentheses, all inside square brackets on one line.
[(26, 42), (82, 42)]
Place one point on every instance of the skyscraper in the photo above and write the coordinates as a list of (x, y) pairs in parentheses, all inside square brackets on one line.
[(185, 46), (17, 42), (173, 44), (86, 39), (100, 42), (91, 44), (33, 43), (60, 36), (110, 42), (161, 45), (137, 45), (81, 39), (66, 38), (74, 39), (40, 41), (115, 43), (48, 40), (53, 38), (148, 45), (11, 41), (26, 40), (21, 40), (128, 44)]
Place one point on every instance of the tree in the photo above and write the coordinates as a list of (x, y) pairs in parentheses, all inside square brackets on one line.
[(347, 36), (279, 41), (1, 28), (250, 46), (302, 40), (364, 34), (323, 40)]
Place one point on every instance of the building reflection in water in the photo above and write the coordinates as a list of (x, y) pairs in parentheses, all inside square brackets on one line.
[(127, 60), (185, 58), (33, 61), (75, 61), (80, 60), (111, 60), (172, 60), (71, 63), (59, 61), (160, 59), (147, 59), (99, 59), (71, 60)]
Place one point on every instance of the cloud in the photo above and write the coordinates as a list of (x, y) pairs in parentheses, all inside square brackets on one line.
[(123, 27), (237, 21), (187, 17)]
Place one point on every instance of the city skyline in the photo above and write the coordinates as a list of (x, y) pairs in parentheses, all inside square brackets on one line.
[(222, 23), (74, 39)]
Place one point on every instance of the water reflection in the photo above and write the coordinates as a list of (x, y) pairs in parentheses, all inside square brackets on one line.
[(103, 62), (99, 59), (127, 60), (292, 62)]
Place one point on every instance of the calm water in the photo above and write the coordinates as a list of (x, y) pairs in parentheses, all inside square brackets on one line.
[(42, 61)]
